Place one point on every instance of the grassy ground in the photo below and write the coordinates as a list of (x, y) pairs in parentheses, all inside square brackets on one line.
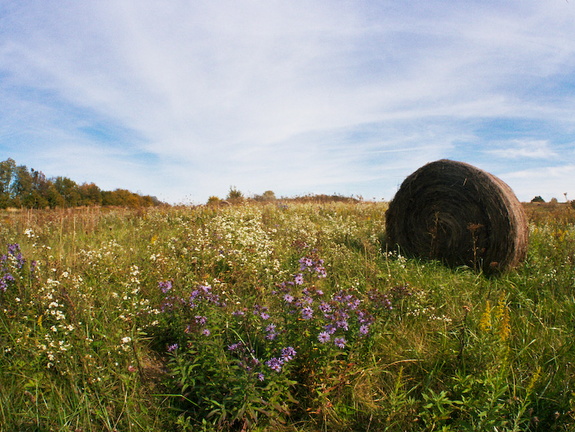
[(276, 317)]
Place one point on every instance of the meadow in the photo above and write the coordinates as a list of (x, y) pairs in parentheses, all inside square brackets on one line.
[(276, 317)]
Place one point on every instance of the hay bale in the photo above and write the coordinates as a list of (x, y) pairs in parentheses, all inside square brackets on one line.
[(454, 212)]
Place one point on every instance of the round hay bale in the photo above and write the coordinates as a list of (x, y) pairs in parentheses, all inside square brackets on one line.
[(458, 214)]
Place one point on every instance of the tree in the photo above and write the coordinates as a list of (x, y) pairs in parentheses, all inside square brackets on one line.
[(234, 195), (268, 195), (68, 189), (90, 194), (23, 187), (538, 199), (7, 177)]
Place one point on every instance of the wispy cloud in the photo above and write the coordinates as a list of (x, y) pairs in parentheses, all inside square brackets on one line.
[(182, 99), (531, 149)]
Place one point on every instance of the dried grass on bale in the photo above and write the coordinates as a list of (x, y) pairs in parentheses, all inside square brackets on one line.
[(454, 212)]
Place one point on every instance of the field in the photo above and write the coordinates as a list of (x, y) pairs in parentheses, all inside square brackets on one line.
[(276, 317)]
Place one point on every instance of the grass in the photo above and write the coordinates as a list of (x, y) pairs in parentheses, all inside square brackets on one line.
[(275, 317)]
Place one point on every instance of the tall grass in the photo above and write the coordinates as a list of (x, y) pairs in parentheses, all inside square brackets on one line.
[(275, 317)]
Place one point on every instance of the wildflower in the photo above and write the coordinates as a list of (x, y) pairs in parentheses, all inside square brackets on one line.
[(126, 340), (325, 307), (165, 286), (172, 348), (275, 364), (206, 332), (288, 354), (307, 313), (271, 333), (201, 320), (298, 279), (305, 263), (330, 328), (324, 337), (265, 316), (261, 376), (339, 342), (364, 329), (288, 298), (235, 346), (485, 321)]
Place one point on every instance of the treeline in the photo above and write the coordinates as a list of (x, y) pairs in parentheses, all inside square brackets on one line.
[(23, 187)]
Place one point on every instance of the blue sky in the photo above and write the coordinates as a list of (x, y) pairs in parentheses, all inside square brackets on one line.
[(184, 99)]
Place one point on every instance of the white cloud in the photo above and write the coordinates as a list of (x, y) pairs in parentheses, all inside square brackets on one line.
[(278, 95), (546, 181), (532, 149)]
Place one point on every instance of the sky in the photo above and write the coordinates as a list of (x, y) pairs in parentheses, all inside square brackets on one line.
[(184, 100)]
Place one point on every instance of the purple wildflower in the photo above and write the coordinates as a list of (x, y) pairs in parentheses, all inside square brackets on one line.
[(235, 346), (261, 376), (307, 313), (324, 337), (165, 286), (288, 354), (339, 342), (288, 298), (330, 328), (307, 300), (201, 320), (305, 263), (275, 364), (172, 348), (271, 333), (265, 316), (206, 332), (298, 279), (364, 329)]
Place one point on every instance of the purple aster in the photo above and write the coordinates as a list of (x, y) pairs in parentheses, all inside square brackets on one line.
[(165, 286), (339, 342), (172, 348), (206, 332), (275, 364), (271, 334), (261, 376), (265, 316), (298, 279), (201, 320), (288, 298), (324, 307), (307, 313), (288, 354), (330, 328), (307, 300), (234, 346), (364, 329), (324, 337)]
